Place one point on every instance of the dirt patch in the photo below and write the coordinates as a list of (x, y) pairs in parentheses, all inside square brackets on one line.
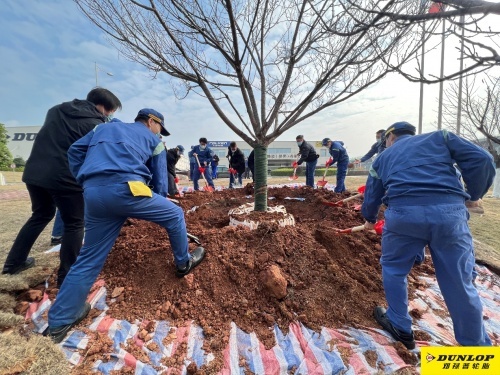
[(255, 278)]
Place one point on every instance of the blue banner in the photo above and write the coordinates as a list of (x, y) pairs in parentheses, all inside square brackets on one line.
[(219, 143)]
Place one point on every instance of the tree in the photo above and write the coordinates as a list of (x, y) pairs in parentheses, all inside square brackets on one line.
[(480, 121), (5, 155), (19, 162), (263, 65), (480, 47)]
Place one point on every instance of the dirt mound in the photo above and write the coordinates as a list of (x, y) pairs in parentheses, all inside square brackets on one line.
[(329, 279), (255, 278)]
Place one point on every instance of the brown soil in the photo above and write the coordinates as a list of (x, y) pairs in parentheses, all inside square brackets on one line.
[(331, 280)]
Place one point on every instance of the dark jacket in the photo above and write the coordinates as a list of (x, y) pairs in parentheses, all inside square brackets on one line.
[(172, 159), (47, 165), (215, 161), (236, 159), (251, 161), (376, 148), (307, 153)]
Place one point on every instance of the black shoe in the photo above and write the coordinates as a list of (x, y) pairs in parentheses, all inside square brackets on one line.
[(28, 263), (196, 257), (55, 240), (407, 339), (57, 334)]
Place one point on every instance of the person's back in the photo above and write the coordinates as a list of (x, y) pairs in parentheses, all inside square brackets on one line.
[(424, 170), (47, 165), (121, 152), (338, 146)]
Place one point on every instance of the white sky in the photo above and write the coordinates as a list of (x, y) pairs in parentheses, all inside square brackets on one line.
[(49, 50)]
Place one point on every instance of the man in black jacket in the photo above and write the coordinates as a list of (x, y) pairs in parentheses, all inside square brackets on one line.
[(307, 154), (173, 156), (376, 148), (50, 183), (237, 162)]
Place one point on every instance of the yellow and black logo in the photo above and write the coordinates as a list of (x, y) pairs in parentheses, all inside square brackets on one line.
[(460, 360)]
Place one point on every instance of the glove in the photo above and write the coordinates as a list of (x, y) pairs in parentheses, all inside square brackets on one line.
[(328, 162), (176, 180), (295, 164), (201, 169), (379, 226)]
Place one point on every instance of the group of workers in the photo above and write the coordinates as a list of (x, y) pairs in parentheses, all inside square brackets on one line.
[(82, 158)]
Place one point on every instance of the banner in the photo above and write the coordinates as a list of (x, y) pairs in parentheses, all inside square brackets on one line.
[(453, 360)]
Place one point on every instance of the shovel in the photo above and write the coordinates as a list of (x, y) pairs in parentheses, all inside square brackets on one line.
[(378, 227), (322, 183), (202, 170), (234, 172), (295, 166), (361, 191)]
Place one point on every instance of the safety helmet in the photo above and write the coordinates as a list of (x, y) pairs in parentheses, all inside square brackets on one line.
[(325, 141), (180, 148), (401, 127)]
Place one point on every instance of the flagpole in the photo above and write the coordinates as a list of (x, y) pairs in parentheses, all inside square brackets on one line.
[(459, 106), (440, 108), (421, 104)]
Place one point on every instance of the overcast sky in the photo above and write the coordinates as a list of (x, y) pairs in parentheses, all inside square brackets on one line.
[(48, 54)]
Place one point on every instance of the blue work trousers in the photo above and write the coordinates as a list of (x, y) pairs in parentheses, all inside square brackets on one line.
[(341, 173), (444, 228), (231, 179), (310, 168), (58, 228), (192, 167), (106, 209), (214, 171), (197, 175)]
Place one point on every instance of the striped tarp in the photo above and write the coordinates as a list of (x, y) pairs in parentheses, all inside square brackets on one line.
[(301, 351)]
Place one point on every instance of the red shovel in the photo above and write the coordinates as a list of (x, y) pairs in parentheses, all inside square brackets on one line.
[(361, 191), (321, 183), (202, 172), (378, 227)]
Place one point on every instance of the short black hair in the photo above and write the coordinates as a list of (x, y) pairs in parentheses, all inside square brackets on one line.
[(232, 144), (299, 137), (104, 97), (381, 131), (203, 140)]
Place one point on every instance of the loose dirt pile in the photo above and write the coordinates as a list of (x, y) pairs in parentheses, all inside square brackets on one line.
[(255, 278)]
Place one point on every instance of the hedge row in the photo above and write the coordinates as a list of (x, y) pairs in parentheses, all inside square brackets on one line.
[(280, 172)]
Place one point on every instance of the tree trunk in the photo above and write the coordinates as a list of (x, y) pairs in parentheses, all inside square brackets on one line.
[(260, 178)]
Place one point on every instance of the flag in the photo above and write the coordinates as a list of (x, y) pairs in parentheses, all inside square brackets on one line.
[(437, 7)]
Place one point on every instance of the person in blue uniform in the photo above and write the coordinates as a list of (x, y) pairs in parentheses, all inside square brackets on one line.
[(116, 164), (309, 155), (192, 165), (205, 156), (427, 205), (338, 155), (376, 148)]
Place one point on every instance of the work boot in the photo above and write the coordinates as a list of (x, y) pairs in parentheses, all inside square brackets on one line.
[(55, 240), (407, 339), (28, 263), (57, 334), (195, 258)]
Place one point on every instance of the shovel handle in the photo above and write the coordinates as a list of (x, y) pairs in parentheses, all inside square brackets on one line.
[(359, 228)]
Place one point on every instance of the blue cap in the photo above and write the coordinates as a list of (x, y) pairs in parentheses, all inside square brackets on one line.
[(155, 116), (401, 127), (181, 149), (325, 141)]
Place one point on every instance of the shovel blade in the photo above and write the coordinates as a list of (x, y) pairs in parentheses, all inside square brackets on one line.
[(322, 183), (333, 204), (208, 188), (294, 177)]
